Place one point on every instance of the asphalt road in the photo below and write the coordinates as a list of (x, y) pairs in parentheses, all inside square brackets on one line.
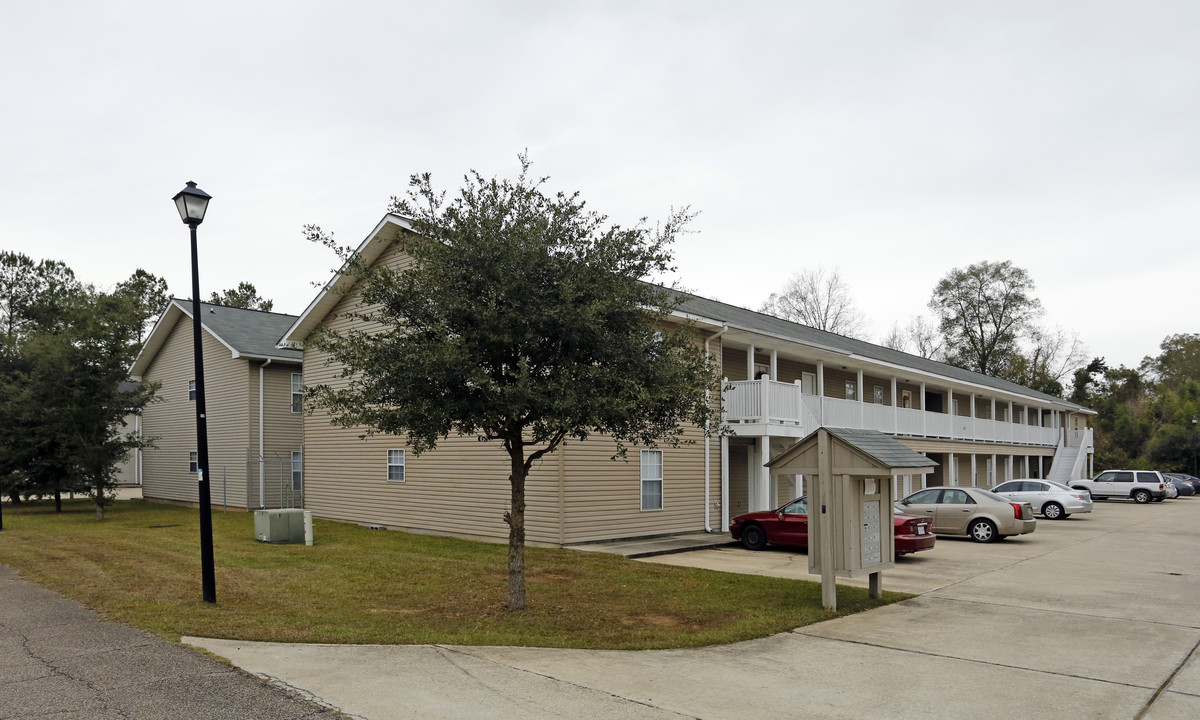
[(60, 661)]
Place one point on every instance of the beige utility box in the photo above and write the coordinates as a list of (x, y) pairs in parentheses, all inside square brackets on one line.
[(849, 472), (279, 526)]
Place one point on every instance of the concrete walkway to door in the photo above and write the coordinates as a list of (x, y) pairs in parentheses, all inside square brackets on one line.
[(1091, 617)]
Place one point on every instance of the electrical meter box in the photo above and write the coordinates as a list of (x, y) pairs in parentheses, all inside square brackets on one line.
[(848, 475), (279, 526)]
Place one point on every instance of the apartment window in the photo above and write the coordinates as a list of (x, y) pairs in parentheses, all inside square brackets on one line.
[(191, 391), (193, 461), (878, 394), (395, 465), (297, 471), (652, 480), (297, 392), (851, 390)]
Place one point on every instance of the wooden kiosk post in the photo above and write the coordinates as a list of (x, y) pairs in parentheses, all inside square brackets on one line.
[(850, 532)]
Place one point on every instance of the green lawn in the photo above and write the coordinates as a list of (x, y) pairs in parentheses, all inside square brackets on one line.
[(141, 566)]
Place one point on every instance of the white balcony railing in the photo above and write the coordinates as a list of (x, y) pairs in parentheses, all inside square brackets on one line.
[(772, 403)]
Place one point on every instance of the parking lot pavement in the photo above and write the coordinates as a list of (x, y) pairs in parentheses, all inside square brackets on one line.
[(60, 660), (1091, 617)]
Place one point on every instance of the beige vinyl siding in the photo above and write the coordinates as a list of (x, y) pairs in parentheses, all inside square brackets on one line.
[(460, 488), (835, 383), (573, 495), (733, 363), (127, 467), (790, 370), (172, 421), (870, 382), (603, 496), (283, 434), (914, 390), (739, 478)]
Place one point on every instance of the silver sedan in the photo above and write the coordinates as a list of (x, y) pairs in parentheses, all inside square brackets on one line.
[(980, 515), (1052, 500)]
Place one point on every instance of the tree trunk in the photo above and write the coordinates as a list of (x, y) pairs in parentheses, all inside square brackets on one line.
[(516, 532), (99, 511), (14, 496), (57, 499)]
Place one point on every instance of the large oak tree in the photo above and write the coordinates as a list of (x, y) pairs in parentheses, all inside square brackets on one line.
[(526, 321)]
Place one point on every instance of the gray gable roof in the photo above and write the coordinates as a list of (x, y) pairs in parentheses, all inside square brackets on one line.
[(247, 332), (770, 325), (884, 448)]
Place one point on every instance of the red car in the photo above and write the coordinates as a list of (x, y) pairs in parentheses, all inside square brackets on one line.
[(788, 526)]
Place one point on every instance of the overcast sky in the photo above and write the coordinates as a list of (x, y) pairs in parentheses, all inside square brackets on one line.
[(891, 140)]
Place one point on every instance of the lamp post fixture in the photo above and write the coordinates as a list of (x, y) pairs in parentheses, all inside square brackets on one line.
[(1194, 421), (192, 202)]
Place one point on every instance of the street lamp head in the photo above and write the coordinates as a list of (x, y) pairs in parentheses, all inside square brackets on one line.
[(192, 202)]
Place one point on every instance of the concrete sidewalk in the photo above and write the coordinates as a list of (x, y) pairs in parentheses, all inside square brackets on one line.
[(1092, 617)]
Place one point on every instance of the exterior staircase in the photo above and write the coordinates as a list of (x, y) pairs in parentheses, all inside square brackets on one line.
[(1063, 470)]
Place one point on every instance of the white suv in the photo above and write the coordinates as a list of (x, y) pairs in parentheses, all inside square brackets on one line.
[(1140, 485)]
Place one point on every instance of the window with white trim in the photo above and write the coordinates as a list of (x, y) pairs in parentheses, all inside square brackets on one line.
[(878, 394), (395, 465), (193, 461), (297, 392), (191, 391), (652, 480), (297, 471), (851, 390)]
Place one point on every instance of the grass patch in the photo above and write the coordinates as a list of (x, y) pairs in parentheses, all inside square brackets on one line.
[(141, 566)]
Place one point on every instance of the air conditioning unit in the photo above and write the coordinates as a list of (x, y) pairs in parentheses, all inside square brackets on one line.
[(279, 526)]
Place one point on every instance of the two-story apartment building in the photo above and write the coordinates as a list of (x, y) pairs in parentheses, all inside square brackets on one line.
[(783, 381), (253, 396)]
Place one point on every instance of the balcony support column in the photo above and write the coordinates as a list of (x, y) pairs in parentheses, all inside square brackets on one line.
[(995, 478), (924, 413), (724, 482), (750, 362), (774, 364), (820, 393), (1008, 474), (974, 426), (761, 476), (974, 471), (862, 401), (952, 470), (764, 401), (895, 408)]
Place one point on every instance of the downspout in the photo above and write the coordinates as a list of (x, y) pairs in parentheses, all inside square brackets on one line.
[(708, 438), (137, 466), (262, 470)]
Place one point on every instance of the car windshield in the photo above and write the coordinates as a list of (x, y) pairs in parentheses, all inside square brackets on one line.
[(799, 506), (991, 495)]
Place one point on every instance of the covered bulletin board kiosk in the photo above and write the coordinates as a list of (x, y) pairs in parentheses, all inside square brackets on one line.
[(849, 479)]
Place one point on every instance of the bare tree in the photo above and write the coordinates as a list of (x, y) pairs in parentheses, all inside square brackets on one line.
[(923, 336), (896, 339), (820, 300)]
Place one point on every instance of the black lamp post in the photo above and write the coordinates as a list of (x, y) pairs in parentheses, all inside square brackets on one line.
[(192, 203), (1194, 421)]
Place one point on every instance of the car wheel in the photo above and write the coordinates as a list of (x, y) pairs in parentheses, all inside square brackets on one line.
[(754, 537), (1053, 511), (1141, 496), (983, 531)]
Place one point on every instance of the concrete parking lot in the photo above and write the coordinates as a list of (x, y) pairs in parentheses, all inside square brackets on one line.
[(1091, 617)]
